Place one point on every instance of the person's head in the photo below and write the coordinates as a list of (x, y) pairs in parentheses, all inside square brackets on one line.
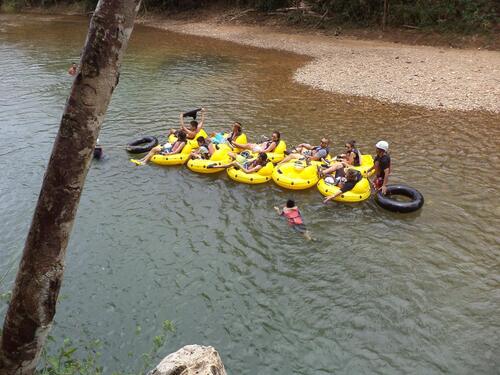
[(237, 128), (382, 147), (351, 174), (290, 203), (276, 136), (262, 158), (181, 136), (350, 145), (324, 142), (200, 140), (193, 124), (73, 65)]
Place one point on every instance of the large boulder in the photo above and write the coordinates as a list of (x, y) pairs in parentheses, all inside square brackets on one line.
[(191, 360)]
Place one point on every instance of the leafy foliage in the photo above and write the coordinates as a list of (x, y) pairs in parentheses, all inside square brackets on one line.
[(456, 15), (72, 360)]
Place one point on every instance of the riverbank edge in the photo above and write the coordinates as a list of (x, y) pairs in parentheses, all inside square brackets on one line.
[(423, 76)]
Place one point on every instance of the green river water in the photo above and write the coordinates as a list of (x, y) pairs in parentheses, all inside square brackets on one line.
[(377, 293)]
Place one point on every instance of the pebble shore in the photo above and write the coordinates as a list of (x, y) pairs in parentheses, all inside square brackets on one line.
[(431, 77)]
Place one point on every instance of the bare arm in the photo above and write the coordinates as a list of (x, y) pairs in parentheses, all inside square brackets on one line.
[(271, 147), (387, 172), (202, 121), (252, 169), (305, 145), (181, 117), (330, 197)]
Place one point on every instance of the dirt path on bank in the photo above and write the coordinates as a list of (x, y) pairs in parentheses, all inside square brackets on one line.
[(431, 77)]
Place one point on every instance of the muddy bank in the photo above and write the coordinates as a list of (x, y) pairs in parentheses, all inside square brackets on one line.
[(430, 77)]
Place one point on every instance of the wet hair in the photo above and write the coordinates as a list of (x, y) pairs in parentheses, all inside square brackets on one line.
[(351, 174), (238, 125), (290, 203), (352, 143), (262, 157), (181, 136), (193, 123), (201, 139), (278, 134)]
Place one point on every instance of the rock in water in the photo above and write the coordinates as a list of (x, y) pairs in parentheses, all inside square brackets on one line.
[(191, 360)]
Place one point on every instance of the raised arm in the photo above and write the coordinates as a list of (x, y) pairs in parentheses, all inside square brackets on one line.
[(181, 117), (202, 121)]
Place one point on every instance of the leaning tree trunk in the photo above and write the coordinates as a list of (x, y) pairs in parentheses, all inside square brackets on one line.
[(33, 303)]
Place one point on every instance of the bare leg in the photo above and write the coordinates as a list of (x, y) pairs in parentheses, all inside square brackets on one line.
[(307, 235), (244, 146), (331, 169), (290, 157), (151, 153)]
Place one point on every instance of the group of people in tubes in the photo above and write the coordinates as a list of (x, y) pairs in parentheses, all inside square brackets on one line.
[(339, 173)]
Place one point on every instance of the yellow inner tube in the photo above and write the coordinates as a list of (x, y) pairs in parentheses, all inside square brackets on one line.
[(295, 175), (278, 154), (366, 163), (360, 192), (263, 175), (174, 159), (219, 157)]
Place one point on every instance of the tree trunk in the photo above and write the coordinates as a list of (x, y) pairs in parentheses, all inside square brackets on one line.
[(33, 305), (386, 11)]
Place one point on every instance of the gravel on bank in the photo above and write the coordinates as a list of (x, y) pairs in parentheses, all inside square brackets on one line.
[(430, 77)]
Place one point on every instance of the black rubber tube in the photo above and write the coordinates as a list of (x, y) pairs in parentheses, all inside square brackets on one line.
[(142, 145), (385, 201)]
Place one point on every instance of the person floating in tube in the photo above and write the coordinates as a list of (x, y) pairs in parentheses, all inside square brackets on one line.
[(382, 166)]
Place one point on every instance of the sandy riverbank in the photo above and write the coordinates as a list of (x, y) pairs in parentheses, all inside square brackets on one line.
[(430, 77)]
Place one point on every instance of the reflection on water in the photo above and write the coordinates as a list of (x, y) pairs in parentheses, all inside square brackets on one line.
[(377, 293)]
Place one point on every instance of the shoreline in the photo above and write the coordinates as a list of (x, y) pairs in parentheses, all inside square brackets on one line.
[(429, 77), (436, 78)]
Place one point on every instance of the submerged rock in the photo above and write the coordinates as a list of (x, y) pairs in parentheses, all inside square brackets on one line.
[(191, 360)]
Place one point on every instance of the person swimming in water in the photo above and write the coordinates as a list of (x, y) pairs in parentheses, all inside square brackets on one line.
[(294, 217), (73, 69)]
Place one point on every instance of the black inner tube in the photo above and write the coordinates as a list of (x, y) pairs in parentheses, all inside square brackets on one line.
[(385, 201), (142, 145)]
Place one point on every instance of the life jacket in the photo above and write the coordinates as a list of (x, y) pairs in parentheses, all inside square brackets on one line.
[(293, 217), (357, 161), (269, 143), (317, 148)]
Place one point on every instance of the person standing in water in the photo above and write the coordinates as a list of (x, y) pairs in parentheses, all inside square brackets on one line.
[(382, 166), (72, 70), (292, 214)]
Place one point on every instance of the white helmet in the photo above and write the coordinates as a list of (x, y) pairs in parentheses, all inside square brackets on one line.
[(383, 145)]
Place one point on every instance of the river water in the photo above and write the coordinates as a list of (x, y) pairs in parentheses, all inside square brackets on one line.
[(376, 293)]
